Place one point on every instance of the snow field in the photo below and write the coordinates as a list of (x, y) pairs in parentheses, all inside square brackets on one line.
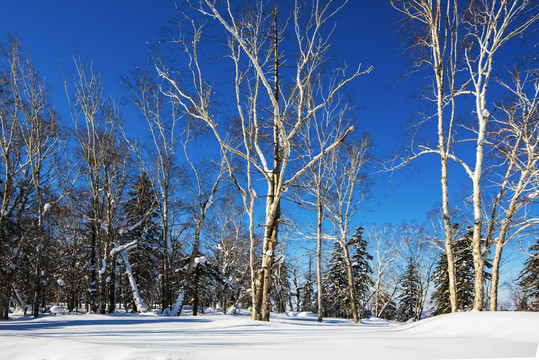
[(293, 336)]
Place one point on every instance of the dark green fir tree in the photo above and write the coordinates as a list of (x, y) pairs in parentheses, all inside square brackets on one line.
[(308, 295), (464, 269), (141, 219), (410, 304), (337, 297), (528, 280)]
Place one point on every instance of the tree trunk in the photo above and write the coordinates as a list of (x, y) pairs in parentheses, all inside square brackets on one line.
[(319, 256), (479, 263)]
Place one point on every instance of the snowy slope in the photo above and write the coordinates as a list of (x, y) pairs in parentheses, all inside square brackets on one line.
[(292, 336)]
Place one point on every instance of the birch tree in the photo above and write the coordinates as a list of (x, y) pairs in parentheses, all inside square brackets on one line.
[(438, 40), (97, 130), (270, 113), (312, 188), (31, 141), (208, 180), (348, 182), (163, 121), (15, 176), (515, 142), (387, 249)]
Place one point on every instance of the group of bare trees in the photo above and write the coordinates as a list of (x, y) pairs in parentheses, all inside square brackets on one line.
[(460, 45), (193, 211)]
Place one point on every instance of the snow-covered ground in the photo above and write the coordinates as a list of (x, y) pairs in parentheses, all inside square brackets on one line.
[(293, 336)]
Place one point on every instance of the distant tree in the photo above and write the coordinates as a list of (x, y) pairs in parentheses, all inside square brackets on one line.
[(362, 270), (142, 225), (528, 280), (338, 286), (387, 247), (228, 244), (308, 299), (410, 298), (464, 277)]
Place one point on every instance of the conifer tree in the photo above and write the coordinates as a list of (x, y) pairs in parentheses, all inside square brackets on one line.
[(464, 277), (360, 266), (308, 293), (337, 281), (410, 296), (141, 223), (529, 279)]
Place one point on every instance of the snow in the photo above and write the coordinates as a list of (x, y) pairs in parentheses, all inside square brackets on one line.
[(57, 310), (473, 335), (103, 267), (200, 260), (46, 207)]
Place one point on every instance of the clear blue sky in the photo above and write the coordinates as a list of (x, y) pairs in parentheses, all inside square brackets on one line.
[(114, 34)]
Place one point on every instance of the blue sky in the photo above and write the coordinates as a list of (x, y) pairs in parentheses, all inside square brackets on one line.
[(114, 34)]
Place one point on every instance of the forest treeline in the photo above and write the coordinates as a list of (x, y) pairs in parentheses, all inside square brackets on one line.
[(190, 186)]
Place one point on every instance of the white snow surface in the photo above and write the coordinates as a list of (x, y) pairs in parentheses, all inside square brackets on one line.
[(473, 335)]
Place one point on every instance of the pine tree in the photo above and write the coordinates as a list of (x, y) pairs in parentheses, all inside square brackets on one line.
[(410, 294), (529, 280)]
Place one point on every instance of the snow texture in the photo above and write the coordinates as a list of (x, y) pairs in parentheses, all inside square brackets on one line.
[(473, 335)]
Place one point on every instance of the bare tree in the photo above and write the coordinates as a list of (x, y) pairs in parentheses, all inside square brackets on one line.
[(208, 182), (348, 181), (230, 246), (31, 142), (97, 129), (163, 121), (438, 38), (312, 188), (257, 60), (387, 248), (16, 174), (515, 139)]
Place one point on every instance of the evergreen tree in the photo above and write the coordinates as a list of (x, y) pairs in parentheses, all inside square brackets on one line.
[(308, 295), (336, 285), (337, 299), (410, 294), (529, 280), (141, 224), (360, 266), (465, 277)]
